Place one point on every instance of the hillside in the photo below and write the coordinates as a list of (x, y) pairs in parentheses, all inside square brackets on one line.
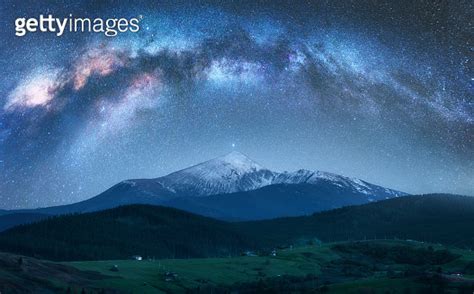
[(279, 200), (119, 233), (439, 218), (20, 274), (347, 267), (230, 187), (10, 220), (163, 232)]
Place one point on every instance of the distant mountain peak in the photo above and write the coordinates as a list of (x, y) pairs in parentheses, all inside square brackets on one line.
[(286, 193), (239, 162), (230, 173), (235, 172)]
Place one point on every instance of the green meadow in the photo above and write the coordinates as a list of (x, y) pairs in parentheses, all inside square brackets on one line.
[(393, 266)]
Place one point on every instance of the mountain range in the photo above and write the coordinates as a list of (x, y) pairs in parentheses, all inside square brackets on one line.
[(231, 187)]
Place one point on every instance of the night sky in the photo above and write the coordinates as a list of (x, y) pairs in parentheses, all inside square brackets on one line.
[(382, 92)]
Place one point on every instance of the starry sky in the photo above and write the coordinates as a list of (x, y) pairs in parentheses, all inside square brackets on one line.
[(379, 90)]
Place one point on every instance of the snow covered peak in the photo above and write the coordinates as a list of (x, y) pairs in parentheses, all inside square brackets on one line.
[(237, 161), (338, 181), (233, 172)]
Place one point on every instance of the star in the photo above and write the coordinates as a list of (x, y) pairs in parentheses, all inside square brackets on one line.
[(321, 85)]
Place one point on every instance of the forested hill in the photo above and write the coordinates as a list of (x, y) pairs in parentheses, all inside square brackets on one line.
[(163, 232), (119, 233), (439, 218)]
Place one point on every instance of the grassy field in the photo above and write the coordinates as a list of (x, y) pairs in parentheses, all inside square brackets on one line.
[(323, 267), (345, 267), (148, 276)]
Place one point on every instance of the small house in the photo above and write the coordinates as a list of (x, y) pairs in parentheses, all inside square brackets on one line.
[(137, 257)]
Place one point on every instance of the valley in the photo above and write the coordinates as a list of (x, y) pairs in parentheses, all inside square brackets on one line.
[(377, 266), (229, 225)]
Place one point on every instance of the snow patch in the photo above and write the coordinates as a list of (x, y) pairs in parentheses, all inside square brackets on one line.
[(235, 172)]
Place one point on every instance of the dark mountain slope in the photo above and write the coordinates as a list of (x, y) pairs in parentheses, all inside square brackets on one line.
[(167, 232), (278, 200), (443, 218), (233, 173), (21, 274), (271, 201), (119, 233), (141, 191), (10, 220)]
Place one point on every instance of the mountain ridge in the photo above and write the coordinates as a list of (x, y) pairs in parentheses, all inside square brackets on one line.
[(232, 174), (247, 175)]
